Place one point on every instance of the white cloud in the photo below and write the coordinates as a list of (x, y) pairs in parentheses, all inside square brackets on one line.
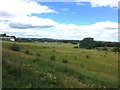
[(31, 22), (94, 3), (16, 19), (22, 7), (100, 31), (101, 3), (25, 26), (65, 9)]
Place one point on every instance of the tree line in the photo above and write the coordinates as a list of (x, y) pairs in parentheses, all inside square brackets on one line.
[(89, 43)]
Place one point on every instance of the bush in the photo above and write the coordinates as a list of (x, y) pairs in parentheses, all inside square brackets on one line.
[(87, 56), (54, 50), (35, 60), (15, 47), (98, 48), (28, 52), (37, 54), (65, 61), (52, 58), (75, 57), (116, 49), (75, 46), (105, 49)]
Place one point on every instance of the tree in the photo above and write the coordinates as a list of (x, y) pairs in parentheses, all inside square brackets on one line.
[(3, 34), (116, 49), (87, 43)]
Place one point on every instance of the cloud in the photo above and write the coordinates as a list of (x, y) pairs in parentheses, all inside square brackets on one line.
[(101, 3), (16, 19), (22, 7), (100, 31), (65, 9), (32, 26), (25, 26), (80, 3), (94, 3), (24, 22)]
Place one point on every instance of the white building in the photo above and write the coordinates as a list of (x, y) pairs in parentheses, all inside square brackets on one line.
[(7, 38)]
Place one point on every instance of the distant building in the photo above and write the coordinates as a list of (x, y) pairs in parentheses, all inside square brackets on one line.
[(7, 38)]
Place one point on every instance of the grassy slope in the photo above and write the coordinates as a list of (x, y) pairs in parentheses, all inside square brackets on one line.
[(21, 70)]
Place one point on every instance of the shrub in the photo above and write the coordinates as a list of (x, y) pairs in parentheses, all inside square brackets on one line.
[(28, 52), (65, 61), (116, 49), (54, 50), (106, 53), (75, 58), (87, 56), (105, 49), (98, 48), (35, 60), (15, 47), (52, 58), (75, 46), (37, 54)]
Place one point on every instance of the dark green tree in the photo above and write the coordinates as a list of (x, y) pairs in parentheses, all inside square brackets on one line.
[(3, 34), (87, 43)]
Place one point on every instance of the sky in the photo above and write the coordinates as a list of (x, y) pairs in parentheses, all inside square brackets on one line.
[(60, 19)]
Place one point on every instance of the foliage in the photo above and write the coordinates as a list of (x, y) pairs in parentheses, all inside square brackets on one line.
[(75, 46), (87, 56), (15, 47), (27, 52), (30, 71), (106, 44), (116, 49), (105, 49), (65, 61), (54, 50), (3, 35), (52, 58), (87, 43), (38, 54)]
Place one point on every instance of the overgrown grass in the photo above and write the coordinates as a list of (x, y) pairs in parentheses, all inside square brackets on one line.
[(37, 70)]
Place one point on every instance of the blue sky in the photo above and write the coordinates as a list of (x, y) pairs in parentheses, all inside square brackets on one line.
[(60, 20), (80, 14)]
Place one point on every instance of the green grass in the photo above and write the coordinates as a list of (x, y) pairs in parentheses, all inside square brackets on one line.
[(37, 70)]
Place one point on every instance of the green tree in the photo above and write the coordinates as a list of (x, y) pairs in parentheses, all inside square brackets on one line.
[(87, 43), (3, 34), (116, 49)]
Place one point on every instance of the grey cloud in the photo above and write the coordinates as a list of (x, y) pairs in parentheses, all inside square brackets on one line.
[(5, 14), (110, 28), (25, 26)]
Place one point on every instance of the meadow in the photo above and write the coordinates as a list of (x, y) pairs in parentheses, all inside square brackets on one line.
[(57, 65)]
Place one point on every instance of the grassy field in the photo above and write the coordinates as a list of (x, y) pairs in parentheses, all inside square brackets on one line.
[(58, 65)]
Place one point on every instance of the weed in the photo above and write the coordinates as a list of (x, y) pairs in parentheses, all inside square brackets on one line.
[(65, 61), (52, 58), (27, 52), (87, 56), (15, 47), (38, 54)]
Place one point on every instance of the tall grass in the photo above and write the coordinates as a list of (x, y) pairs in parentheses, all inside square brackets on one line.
[(22, 70)]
